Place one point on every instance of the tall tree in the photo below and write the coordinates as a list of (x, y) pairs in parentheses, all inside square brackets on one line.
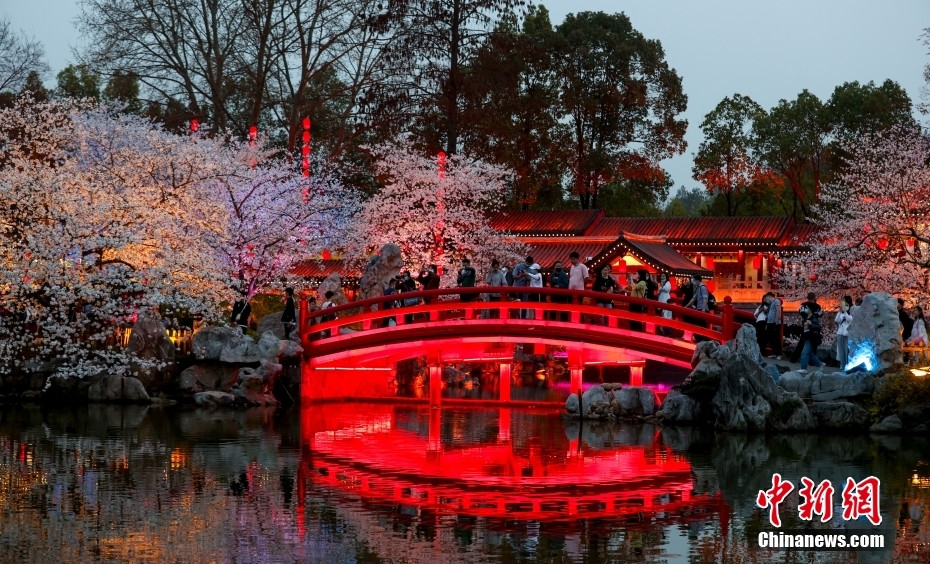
[(440, 37), (123, 87), (621, 99), (793, 140), (78, 81), (512, 111), (724, 162), (865, 109), (19, 57)]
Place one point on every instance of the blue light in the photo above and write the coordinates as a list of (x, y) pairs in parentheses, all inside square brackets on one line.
[(863, 356)]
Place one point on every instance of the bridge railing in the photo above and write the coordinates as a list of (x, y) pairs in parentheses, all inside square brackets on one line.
[(543, 305)]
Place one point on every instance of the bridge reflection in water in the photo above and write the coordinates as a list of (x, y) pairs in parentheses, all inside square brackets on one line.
[(496, 464)]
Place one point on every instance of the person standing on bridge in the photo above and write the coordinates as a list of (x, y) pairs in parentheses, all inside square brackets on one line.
[(495, 279), (699, 301), (429, 280), (466, 279), (559, 279), (637, 289), (521, 278), (773, 321), (605, 283), (536, 281)]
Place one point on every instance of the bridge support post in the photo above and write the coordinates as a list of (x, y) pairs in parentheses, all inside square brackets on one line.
[(636, 375), (503, 429), (435, 385), (576, 381), (505, 381), (435, 431), (727, 318)]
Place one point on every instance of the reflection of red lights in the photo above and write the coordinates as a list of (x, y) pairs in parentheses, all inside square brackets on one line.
[(367, 451)]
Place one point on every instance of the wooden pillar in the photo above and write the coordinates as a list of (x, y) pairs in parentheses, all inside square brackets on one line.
[(760, 272), (636, 375), (435, 385), (505, 381), (728, 332), (576, 381)]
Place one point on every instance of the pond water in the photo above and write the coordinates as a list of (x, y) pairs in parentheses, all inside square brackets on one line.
[(400, 483)]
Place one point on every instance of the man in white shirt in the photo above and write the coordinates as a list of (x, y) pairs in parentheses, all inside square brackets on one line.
[(578, 274)]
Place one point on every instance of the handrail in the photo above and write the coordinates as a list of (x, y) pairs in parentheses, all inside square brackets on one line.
[(437, 301)]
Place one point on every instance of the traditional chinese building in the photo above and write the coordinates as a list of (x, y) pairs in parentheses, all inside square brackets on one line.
[(737, 255)]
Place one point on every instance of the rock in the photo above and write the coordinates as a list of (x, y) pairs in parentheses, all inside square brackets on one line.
[(921, 429), (830, 387), (149, 341), (214, 398), (773, 372), (118, 389), (380, 271), (209, 342), (188, 384), (571, 404), (270, 347), (208, 377), (271, 323), (649, 400), (594, 394), (875, 333), (637, 400), (747, 343), (840, 416), (708, 358), (679, 408), (797, 383), (251, 398), (890, 424), (240, 350), (748, 400), (332, 283), (453, 376), (291, 349), (610, 387), (269, 371), (31, 394)]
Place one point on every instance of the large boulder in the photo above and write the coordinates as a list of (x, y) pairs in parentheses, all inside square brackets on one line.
[(291, 350), (749, 401), (380, 271), (747, 343), (708, 358), (118, 389), (680, 409), (875, 333), (149, 342), (830, 387), (593, 400), (271, 323), (332, 283), (890, 424), (840, 416), (199, 378), (209, 342), (269, 347), (214, 399), (572, 405), (239, 350), (796, 382), (636, 400)]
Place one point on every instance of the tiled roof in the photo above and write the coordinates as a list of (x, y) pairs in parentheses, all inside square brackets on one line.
[(696, 230), (546, 251), (800, 235), (653, 251), (547, 223), (322, 269)]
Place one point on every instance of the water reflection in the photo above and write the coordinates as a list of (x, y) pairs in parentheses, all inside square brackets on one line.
[(397, 483)]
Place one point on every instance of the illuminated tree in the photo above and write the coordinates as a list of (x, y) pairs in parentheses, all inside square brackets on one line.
[(874, 224), (436, 214)]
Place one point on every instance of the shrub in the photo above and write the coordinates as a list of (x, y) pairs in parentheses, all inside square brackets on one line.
[(896, 389)]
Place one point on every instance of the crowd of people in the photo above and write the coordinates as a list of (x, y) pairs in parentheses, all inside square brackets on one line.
[(769, 317)]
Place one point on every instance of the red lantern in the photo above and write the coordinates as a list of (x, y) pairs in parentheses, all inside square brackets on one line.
[(327, 255), (621, 267), (779, 263), (757, 262), (910, 242), (883, 243), (709, 262), (195, 125), (441, 163), (814, 277)]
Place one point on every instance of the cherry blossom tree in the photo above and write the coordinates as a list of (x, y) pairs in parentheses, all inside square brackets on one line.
[(436, 211), (874, 224), (277, 217), (102, 218)]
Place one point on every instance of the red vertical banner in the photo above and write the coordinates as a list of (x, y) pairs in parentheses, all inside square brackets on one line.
[(305, 149)]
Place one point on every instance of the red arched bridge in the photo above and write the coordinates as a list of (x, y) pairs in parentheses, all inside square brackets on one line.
[(351, 350)]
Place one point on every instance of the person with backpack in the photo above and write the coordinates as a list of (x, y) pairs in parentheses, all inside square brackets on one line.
[(699, 301), (806, 351), (605, 283)]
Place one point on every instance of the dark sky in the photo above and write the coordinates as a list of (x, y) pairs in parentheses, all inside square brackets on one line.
[(764, 49)]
